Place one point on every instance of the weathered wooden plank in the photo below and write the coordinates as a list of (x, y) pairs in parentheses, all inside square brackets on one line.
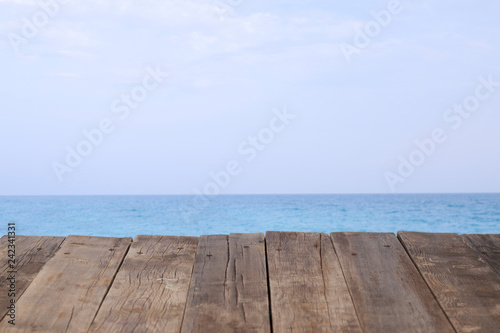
[(388, 292), (465, 286), (31, 253), (488, 248), (228, 291), (68, 290), (343, 317), (150, 290), (307, 287)]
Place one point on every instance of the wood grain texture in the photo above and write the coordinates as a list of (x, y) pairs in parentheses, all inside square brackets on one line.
[(488, 248), (31, 253), (149, 292), (307, 287), (466, 287), (68, 290), (388, 292), (167, 284), (228, 291)]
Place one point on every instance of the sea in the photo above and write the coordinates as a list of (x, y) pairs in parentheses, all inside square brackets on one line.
[(185, 215)]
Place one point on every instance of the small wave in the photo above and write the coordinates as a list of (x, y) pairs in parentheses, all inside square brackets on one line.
[(128, 210)]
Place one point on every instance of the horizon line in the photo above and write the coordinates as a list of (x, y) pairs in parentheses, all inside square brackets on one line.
[(244, 194)]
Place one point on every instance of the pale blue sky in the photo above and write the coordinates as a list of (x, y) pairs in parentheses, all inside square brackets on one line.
[(228, 70)]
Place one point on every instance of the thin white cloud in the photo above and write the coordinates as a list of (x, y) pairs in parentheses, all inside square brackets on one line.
[(19, 2), (77, 54), (67, 75), (65, 34)]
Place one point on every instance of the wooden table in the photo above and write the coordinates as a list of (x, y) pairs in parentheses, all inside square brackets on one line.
[(280, 282)]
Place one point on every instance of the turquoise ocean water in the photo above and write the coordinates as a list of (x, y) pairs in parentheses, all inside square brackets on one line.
[(122, 216)]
